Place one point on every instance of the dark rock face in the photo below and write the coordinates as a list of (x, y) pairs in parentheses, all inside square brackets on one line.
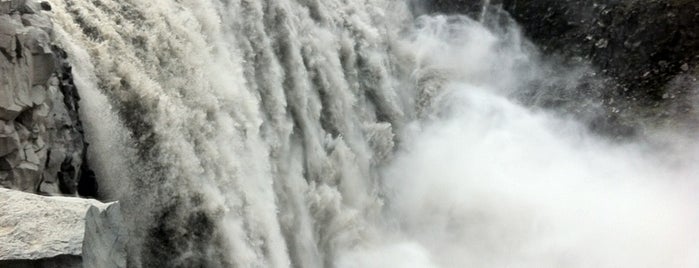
[(639, 49), (63, 261), (642, 44), (42, 146)]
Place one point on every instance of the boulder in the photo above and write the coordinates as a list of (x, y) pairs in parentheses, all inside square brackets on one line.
[(38, 229), (105, 238)]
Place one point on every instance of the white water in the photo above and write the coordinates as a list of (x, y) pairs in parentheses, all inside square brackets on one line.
[(313, 133)]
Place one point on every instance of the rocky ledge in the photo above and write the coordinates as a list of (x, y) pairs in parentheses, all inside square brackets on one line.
[(42, 147), (39, 231)]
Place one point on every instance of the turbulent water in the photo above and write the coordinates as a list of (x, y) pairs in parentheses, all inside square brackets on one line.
[(336, 133)]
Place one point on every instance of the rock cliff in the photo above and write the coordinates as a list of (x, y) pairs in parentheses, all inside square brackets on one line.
[(42, 147)]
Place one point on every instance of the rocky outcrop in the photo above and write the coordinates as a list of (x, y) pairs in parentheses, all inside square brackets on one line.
[(42, 148), (39, 231)]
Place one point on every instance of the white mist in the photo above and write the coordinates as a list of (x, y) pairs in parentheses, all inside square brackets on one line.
[(486, 182)]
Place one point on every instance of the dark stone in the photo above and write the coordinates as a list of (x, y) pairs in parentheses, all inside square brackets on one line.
[(45, 6), (74, 167), (67, 182), (62, 261), (87, 185)]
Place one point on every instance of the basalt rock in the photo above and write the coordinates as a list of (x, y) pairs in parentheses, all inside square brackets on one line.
[(40, 231), (42, 146)]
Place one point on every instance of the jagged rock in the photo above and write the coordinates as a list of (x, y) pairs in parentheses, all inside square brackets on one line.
[(26, 177), (36, 40), (46, 6), (30, 7), (105, 238), (36, 229), (43, 150), (9, 140), (7, 44)]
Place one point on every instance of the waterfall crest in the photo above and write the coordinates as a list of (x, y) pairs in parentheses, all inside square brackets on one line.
[(335, 133), (247, 133)]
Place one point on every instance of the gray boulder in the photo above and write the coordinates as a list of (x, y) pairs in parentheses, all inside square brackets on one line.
[(40, 231), (105, 238)]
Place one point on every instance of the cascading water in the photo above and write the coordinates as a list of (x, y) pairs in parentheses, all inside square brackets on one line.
[(307, 133), (484, 10)]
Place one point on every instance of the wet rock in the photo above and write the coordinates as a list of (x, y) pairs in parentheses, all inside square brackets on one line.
[(46, 6), (30, 7), (45, 152), (9, 140), (105, 238), (37, 229)]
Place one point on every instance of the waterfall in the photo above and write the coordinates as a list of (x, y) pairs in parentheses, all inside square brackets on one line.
[(247, 132), (335, 133)]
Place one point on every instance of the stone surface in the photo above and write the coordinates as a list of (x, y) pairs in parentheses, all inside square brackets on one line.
[(105, 238), (36, 228)]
